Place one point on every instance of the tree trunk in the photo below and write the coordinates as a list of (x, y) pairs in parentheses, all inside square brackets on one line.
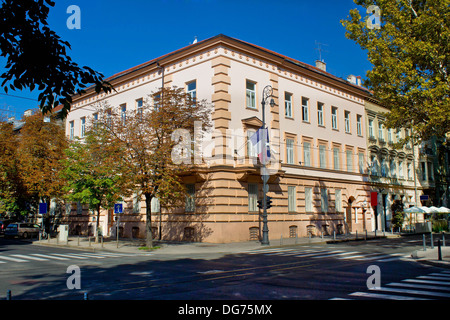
[(148, 225)]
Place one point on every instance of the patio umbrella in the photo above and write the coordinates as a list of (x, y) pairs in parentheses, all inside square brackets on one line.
[(443, 210), (414, 210), (433, 209)]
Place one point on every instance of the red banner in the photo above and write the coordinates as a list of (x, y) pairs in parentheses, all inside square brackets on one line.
[(373, 199)]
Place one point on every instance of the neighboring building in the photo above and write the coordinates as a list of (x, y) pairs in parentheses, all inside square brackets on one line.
[(319, 179), (395, 174)]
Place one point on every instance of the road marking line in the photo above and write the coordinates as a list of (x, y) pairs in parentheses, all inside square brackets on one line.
[(29, 257), (68, 256), (383, 296), (339, 299), (310, 254), (418, 286), (439, 274), (420, 292), (48, 256), (395, 257), (427, 281), (434, 278), (375, 256), (13, 259), (334, 255)]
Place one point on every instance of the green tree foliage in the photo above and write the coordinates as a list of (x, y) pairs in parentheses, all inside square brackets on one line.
[(410, 55), (92, 173), (36, 56), (145, 135), (397, 214)]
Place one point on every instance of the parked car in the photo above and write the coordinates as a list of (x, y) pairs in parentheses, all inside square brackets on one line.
[(22, 230), (3, 225)]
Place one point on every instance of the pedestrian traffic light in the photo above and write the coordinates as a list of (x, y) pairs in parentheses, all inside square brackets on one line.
[(260, 204), (268, 202)]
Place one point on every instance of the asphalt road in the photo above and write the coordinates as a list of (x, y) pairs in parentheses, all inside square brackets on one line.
[(314, 272)]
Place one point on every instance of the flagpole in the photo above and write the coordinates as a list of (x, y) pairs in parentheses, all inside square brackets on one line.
[(267, 93)]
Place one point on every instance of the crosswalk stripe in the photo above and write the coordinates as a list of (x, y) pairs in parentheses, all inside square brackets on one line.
[(395, 257), (339, 299), (68, 256), (419, 292), (439, 274), (332, 255), (418, 286), (427, 282), (49, 256), (293, 253), (309, 254), (384, 296), (434, 278), (87, 255), (29, 257), (13, 259)]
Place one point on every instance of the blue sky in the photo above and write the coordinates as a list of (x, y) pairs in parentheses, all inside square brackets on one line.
[(116, 35)]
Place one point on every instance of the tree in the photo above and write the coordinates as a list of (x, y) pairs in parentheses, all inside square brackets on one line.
[(93, 175), (145, 135), (397, 214), (40, 149), (12, 192), (36, 56), (410, 55)]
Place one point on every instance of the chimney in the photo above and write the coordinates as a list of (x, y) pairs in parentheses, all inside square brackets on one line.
[(358, 80), (321, 65)]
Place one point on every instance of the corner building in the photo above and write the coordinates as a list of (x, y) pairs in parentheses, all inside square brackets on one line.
[(317, 136)]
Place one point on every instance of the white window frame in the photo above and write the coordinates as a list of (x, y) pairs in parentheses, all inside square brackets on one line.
[(83, 126), (308, 199), (305, 109), (306, 153), (192, 91), (322, 156), (320, 113), (288, 104), (334, 118), (347, 121), (250, 95), (359, 125), (253, 197), (292, 203)]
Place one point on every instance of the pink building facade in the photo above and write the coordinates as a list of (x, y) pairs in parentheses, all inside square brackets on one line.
[(318, 166)]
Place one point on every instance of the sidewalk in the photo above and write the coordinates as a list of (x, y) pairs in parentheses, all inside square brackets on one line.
[(192, 248), (430, 256)]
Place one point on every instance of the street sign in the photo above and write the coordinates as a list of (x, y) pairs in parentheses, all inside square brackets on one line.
[(424, 198), (118, 208), (42, 208)]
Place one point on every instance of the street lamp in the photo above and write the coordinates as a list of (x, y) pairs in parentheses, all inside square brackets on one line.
[(267, 93)]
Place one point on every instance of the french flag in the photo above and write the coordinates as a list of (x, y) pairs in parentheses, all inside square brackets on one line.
[(257, 142)]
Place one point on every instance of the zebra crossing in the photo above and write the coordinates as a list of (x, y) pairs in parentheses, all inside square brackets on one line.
[(326, 253), (434, 286), (67, 256)]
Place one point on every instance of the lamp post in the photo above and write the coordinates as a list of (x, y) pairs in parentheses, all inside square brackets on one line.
[(267, 93)]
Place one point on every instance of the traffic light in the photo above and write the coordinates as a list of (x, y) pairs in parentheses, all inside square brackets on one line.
[(260, 204), (268, 202)]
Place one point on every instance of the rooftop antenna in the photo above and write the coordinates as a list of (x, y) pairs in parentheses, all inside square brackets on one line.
[(320, 49)]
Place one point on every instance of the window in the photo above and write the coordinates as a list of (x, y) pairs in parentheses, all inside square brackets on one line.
[(361, 162), (290, 151), (140, 106), (192, 89), (374, 165), (137, 202), (322, 157), (371, 132), (306, 153), (424, 171), (305, 109), (95, 116), (390, 138), (288, 104), (380, 131), (156, 205), (393, 169), (347, 121), (338, 200), (410, 172), (349, 161), (252, 197), (251, 95), (79, 208), (430, 171), (83, 127), (334, 120), (324, 199), (72, 128), (291, 199), (123, 113), (336, 159), (190, 198), (400, 169), (359, 125), (398, 134), (251, 149), (384, 168), (157, 101), (320, 114), (308, 199)]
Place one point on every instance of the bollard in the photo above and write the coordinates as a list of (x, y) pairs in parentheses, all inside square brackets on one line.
[(443, 238), (439, 250), (281, 240), (356, 236), (40, 237), (8, 295), (102, 241), (322, 235), (78, 241), (431, 236), (48, 237), (334, 235), (296, 238), (365, 237), (309, 237), (424, 243)]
